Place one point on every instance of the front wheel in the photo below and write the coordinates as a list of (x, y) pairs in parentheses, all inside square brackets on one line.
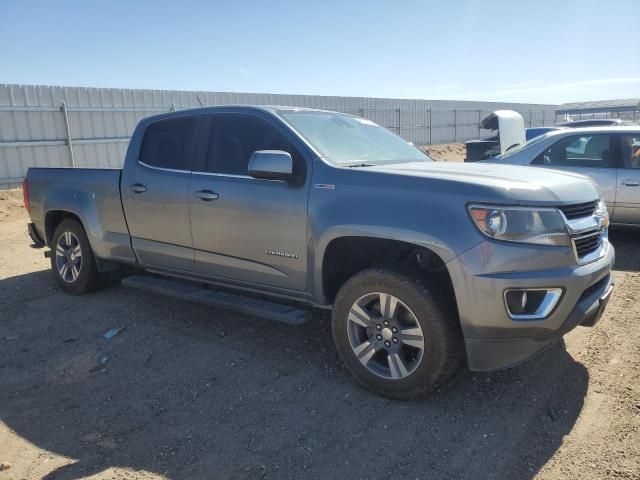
[(72, 260), (397, 337)]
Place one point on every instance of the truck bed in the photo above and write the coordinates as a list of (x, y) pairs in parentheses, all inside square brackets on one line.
[(91, 194)]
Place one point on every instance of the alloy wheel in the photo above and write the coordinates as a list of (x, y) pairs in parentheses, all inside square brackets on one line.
[(385, 335), (68, 257)]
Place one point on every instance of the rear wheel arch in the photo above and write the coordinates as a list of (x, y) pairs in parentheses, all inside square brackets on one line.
[(53, 218), (72, 260)]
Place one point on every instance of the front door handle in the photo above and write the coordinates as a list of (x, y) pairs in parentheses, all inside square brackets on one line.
[(631, 183), (206, 195), (138, 188)]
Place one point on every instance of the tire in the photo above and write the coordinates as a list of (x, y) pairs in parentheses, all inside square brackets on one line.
[(417, 350), (81, 274)]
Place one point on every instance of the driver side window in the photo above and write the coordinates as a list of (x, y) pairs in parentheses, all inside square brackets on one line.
[(591, 151), (236, 136)]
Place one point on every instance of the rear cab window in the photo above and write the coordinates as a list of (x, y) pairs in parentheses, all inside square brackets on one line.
[(170, 143)]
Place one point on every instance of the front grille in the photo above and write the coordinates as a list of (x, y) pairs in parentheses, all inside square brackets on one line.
[(586, 244), (579, 210)]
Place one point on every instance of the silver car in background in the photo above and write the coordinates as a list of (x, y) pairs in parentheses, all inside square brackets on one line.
[(608, 155)]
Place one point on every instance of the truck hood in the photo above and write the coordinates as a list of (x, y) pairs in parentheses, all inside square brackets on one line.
[(526, 185)]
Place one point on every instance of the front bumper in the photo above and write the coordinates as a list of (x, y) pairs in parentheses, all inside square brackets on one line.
[(480, 276)]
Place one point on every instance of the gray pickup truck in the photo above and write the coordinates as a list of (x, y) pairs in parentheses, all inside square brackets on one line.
[(274, 211)]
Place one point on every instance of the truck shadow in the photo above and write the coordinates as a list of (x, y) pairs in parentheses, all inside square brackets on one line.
[(188, 391)]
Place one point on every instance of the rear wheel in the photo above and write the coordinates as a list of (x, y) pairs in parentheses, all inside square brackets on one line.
[(397, 337), (72, 259)]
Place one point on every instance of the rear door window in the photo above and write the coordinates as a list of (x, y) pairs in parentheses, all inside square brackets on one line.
[(170, 143), (592, 151)]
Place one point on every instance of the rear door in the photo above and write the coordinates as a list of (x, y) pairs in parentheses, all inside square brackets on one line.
[(155, 193), (587, 154), (628, 190), (245, 229)]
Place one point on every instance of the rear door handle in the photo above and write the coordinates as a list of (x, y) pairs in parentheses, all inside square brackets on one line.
[(206, 195), (630, 183), (138, 188)]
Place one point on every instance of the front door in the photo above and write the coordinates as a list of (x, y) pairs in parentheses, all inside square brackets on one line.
[(155, 194), (628, 194), (245, 229)]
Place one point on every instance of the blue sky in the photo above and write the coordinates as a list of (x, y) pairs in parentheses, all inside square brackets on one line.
[(540, 52)]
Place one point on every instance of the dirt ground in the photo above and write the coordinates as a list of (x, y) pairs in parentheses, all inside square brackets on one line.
[(188, 391), (449, 152)]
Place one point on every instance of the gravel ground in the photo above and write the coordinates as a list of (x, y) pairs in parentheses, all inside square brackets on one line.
[(188, 391)]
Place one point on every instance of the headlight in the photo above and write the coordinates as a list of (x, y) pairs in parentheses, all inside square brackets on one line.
[(542, 226), (601, 211)]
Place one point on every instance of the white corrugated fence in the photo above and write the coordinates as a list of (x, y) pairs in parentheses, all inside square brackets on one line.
[(47, 126)]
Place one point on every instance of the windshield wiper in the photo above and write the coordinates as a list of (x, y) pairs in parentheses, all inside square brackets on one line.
[(357, 165)]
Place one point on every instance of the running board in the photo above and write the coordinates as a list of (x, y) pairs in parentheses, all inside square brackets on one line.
[(229, 301)]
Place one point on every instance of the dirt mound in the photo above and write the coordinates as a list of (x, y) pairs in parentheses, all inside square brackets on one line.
[(446, 152)]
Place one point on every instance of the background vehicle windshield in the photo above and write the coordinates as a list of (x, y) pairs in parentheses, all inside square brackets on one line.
[(513, 150), (347, 140)]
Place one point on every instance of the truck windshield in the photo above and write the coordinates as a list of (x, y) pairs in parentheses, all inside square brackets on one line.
[(351, 141)]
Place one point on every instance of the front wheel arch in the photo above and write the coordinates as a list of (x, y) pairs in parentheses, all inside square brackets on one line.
[(346, 256)]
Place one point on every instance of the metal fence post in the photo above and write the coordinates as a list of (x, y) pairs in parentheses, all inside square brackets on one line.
[(68, 130), (543, 119), (455, 126), (530, 118), (479, 120), (362, 112), (430, 126), (398, 121)]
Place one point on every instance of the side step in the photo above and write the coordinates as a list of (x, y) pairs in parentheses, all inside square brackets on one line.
[(230, 301)]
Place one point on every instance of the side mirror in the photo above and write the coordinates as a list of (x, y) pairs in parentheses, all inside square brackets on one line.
[(271, 165)]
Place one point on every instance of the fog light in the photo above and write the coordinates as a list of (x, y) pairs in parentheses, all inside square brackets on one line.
[(516, 301), (531, 303)]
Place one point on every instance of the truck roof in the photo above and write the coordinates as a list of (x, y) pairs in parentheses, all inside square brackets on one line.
[(583, 130), (566, 132), (235, 108)]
